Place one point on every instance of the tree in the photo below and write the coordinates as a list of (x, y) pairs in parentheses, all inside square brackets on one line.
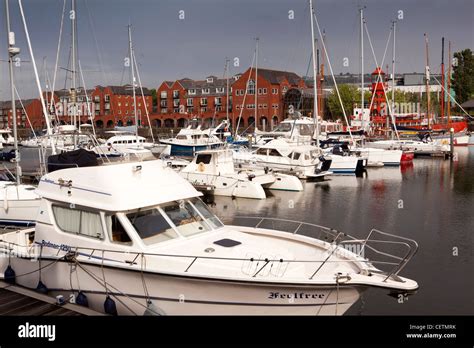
[(349, 95), (154, 97), (463, 75)]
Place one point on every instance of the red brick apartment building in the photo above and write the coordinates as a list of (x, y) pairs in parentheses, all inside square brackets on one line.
[(32, 109), (271, 86), (183, 99), (110, 106)]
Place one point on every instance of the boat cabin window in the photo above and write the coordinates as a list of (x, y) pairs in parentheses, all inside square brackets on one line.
[(186, 219), (262, 152), (210, 218), (116, 231), (204, 158), (78, 221), (283, 127), (296, 155), (181, 137), (274, 152), (151, 226), (306, 129)]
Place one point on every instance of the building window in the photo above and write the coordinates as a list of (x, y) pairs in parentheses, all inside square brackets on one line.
[(264, 91), (163, 111), (251, 87), (164, 95), (284, 89), (265, 106), (275, 106), (204, 101), (250, 106), (107, 98), (206, 90), (119, 104), (210, 80), (204, 109), (220, 90), (176, 110), (175, 94), (190, 110), (218, 101), (191, 91), (176, 102), (190, 102), (218, 108), (274, 90)]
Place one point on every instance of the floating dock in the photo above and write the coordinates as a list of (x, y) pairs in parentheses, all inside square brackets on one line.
[(16, 300)]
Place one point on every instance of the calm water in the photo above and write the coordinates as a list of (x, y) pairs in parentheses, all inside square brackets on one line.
[(438, 207)]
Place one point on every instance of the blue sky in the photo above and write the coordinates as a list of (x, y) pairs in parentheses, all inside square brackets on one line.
[(169, 48)]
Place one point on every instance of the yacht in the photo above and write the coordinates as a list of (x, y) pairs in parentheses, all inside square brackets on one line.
[(419, 148), (153, 247), (304, 161), (191, 139), (299, 130), (213, 171)]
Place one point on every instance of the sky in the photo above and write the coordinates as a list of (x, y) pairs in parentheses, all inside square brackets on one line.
[(169, 47)]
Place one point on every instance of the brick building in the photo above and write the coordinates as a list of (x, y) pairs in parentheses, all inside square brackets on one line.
[(110, 105), (184, 99), (272, 86), (32, 109)]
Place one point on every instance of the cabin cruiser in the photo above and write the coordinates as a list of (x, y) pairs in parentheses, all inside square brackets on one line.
[(192, 139), (418, 147), (304, 161), (127, 144), (6, 137), (223, 131), (152, 246), (213, 171), (298, 130)]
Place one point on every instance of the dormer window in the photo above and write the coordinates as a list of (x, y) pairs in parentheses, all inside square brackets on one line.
[(191, 91), (220, 90), (206, 90), (210, 79)]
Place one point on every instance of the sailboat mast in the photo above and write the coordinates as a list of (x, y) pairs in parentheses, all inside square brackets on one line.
[(315, 74), (448, 102), (361, 10), (256, 82), (227, 61), (393, 72), (73, 63), (12, 51), (427, 73), (133, 81), (442, 78)]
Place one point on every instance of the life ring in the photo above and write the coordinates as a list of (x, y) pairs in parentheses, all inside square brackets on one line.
[(201, 167)]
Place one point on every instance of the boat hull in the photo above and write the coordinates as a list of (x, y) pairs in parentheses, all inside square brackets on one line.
[(183, 295)]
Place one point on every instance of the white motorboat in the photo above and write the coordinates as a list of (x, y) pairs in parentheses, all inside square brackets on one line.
[(298, 131), (213, 171), (151, 245), (124, 144), (304, 161), (418, 147), (191, 139)]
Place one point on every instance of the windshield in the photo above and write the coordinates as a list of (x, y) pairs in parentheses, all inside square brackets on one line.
[(283, 127), (188, 217)]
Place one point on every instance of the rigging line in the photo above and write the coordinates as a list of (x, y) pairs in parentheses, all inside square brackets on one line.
[(57, 55), (379, 77), (245, 94), (99, 54), (392, 116), (143, 96), (87, 98), (333, 78), (451, 97), (26, 113)]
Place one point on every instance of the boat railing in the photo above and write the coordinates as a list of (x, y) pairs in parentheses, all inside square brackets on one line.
[(400, 249), (338, 243)]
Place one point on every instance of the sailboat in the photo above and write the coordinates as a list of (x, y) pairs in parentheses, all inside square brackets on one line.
[(20, 202)]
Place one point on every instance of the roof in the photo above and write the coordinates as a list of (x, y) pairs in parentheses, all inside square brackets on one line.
[(117, 187), (468, 104), (8, 104), (128, 90), (276, 76), (198, 85)]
